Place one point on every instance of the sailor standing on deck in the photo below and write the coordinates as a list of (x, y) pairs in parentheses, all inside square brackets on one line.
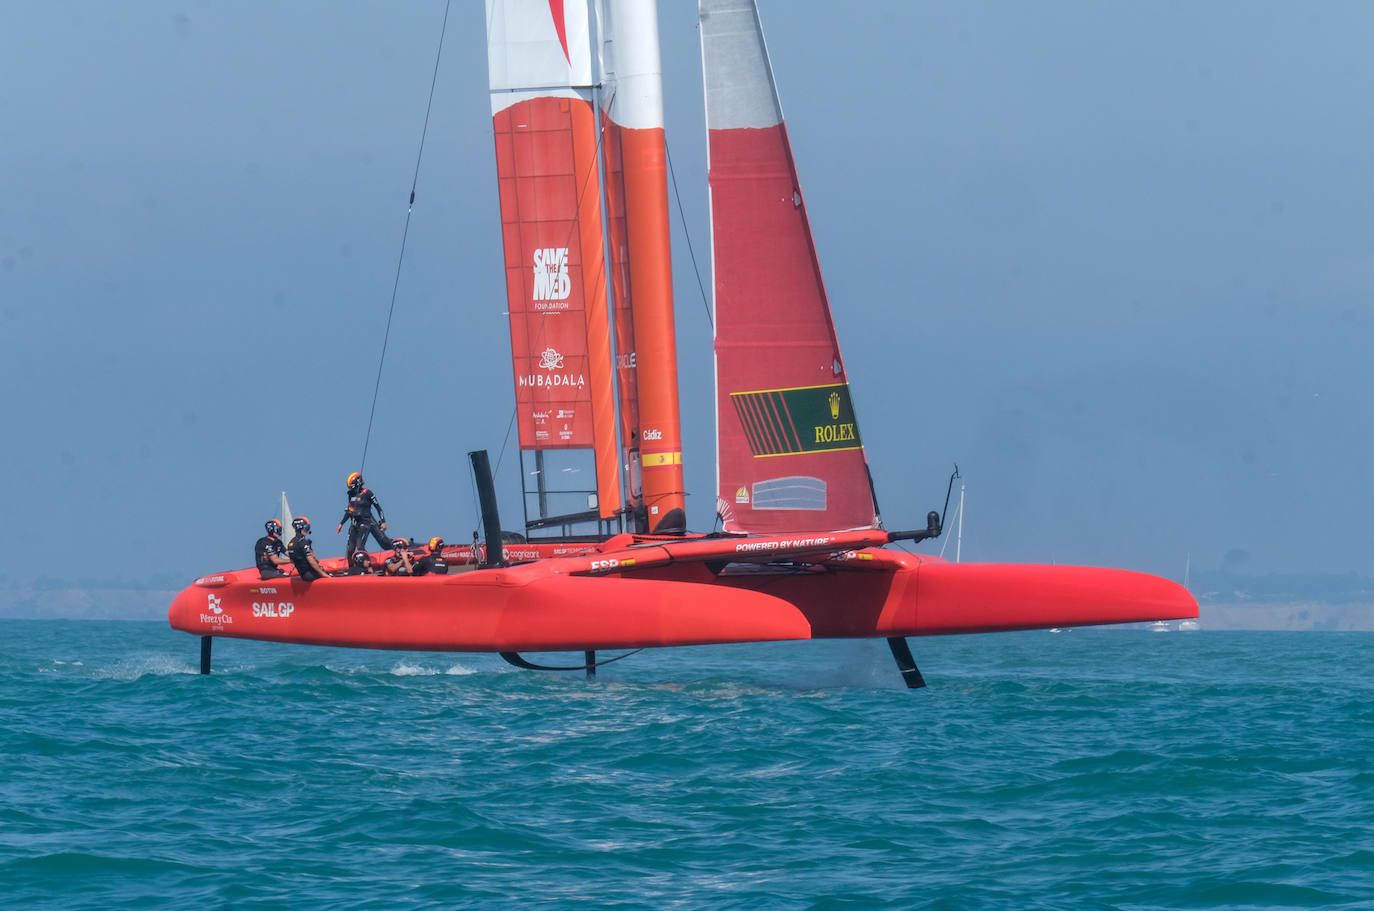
[(269, 553), (302, 554), (361, 502)]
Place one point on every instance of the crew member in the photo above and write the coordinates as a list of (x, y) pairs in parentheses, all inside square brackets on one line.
[(269, 553), (433, 562), (361, 503), (399, 563), (360, 564), (302, 554)]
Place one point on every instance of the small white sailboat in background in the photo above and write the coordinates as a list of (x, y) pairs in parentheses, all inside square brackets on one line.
[(959, 536), (1188, 626), (288, 534)]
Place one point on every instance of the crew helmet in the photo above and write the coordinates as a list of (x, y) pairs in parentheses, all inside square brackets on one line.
[(360, 557), (400, 543), (355, 481), (273, 526), (436, 544), (301, 524)]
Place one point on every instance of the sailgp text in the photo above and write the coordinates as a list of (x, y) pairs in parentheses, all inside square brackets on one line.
[(273, 608)]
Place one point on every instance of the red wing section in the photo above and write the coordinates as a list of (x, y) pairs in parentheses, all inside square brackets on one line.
[(637, 190), (789, 453), (541, 68)]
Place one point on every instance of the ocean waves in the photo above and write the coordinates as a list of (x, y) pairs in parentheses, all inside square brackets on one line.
[(1107, 769)]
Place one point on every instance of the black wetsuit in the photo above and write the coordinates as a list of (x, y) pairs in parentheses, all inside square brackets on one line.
[(268, 546), (432, 563), (300, 553), (396, 567), (359, 511)]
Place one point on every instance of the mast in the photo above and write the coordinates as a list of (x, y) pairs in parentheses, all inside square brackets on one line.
[(634, 125)]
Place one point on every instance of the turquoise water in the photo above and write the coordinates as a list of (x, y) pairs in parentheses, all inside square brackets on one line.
[(1089, 769)]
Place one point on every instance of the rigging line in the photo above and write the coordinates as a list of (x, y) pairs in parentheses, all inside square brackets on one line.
[(688, 234), (396, 282)]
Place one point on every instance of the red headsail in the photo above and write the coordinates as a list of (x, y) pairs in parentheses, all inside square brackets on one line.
[(789, 453)]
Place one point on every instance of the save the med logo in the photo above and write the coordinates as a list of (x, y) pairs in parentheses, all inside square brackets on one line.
[(551, 279)]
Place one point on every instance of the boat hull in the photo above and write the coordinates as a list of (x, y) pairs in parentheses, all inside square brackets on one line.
[(541, 607)]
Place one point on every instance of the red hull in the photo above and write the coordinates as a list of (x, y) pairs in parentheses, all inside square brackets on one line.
[(673, 598)]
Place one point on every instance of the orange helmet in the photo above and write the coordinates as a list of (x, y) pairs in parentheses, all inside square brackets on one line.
[(400, 543), (435, 544), (301, 523), (355, 480)]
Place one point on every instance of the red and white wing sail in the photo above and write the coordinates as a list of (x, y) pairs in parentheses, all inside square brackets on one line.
[(637, 193), (789, 453), (542, 67)]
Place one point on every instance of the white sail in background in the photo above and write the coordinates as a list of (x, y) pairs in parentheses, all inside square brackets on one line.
[(288, 534)]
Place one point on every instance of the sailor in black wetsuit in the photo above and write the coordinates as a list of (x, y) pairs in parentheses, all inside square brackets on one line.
[(398, 564), (433, 562), (302, 554), (269, 553), (361, 502), (361, 565)]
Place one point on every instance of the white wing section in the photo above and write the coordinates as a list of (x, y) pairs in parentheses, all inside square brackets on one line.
[(740, 92), (534, 44), (633, 62)]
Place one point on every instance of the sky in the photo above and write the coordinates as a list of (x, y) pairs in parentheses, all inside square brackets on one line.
[(1115, 260)]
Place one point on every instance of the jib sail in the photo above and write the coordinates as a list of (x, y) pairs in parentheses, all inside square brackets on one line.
[(789, 453)]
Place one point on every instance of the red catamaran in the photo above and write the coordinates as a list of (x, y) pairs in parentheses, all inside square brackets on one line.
[(606, 563)]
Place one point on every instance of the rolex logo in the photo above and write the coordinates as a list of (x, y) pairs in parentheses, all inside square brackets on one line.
[(834, 406)]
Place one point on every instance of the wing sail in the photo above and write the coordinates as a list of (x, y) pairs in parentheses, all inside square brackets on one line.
[(542, 69)]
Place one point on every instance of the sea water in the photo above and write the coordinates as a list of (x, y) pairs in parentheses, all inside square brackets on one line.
[(1102, 768)]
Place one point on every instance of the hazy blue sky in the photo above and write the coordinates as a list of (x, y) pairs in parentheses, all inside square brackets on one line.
[(1117, 260)]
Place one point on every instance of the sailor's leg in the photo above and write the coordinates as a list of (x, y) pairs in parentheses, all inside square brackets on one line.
[(383, 541), (205, 654)]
